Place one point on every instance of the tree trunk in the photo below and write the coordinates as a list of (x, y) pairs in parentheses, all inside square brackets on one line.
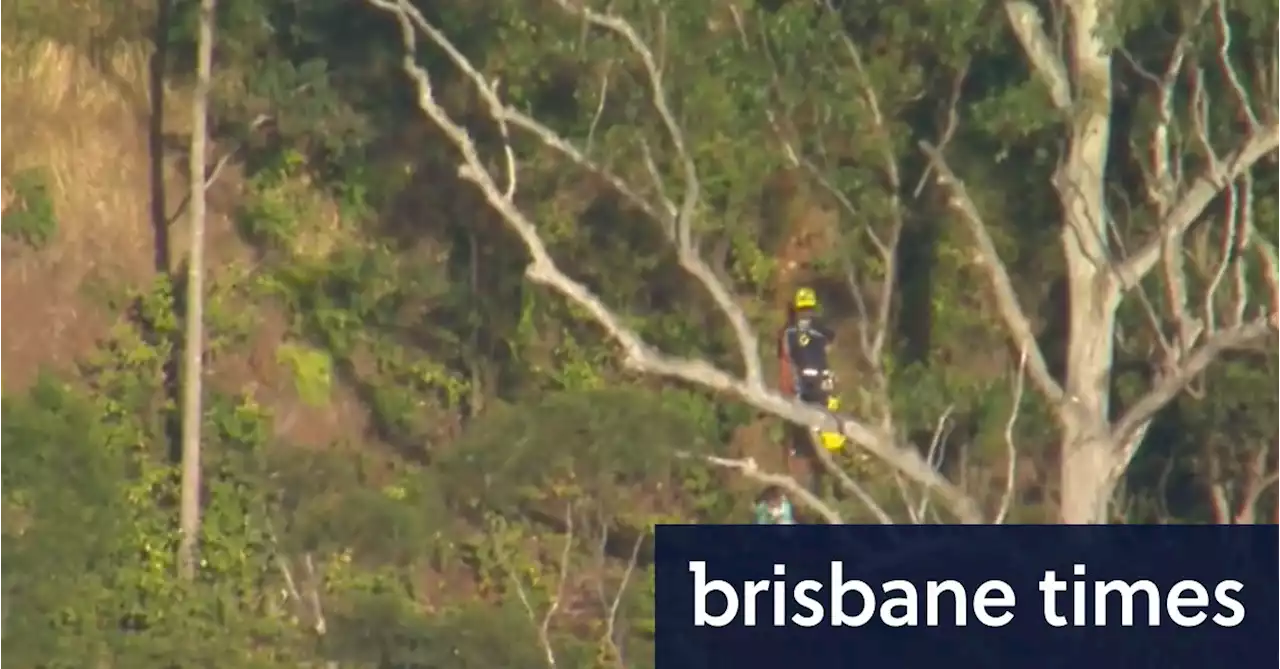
[(1087, 481), (192, 385), (1088, 456)]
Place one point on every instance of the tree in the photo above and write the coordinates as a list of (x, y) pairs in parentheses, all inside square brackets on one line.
[(192, 385), (1095, 446)]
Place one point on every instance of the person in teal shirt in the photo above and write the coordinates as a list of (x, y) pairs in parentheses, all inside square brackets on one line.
[(773, 508)]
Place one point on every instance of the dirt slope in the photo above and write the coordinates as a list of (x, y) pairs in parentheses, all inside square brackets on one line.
[(86, 126)]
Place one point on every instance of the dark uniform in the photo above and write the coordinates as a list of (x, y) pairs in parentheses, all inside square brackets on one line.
[(803, 352), (804, 372)]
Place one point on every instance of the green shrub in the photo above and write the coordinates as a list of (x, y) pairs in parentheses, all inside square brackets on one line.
[(31, 218)]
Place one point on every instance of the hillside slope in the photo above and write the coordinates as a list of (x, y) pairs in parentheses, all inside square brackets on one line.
[(81, 140)]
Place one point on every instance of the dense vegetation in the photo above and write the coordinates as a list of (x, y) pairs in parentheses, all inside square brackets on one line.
[(497, 512)]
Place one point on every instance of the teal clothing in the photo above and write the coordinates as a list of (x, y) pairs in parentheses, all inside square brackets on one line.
[(780, 514)]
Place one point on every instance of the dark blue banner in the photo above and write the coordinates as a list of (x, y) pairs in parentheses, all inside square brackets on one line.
[(793, 597)]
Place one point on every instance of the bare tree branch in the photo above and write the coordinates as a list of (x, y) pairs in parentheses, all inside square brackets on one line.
[(918, 510), (1168, 386), (1236, 225), (748, 468), (305, 606), (1248, 513), (1243, 103), (1028, 26), (290, 585), (313, 596), (1011, 450), (609, 635), (1255, 480), (1164, 173), (638, 354), (682, 229), (562, 576), (852, 486), (213, 174), (595, 119), (1179, 217), (1015, 320)]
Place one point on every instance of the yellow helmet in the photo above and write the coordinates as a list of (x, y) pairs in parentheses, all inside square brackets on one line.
[(833, 403), (805, 299)]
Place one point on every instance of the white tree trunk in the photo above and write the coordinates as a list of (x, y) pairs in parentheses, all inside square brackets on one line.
[(192, 383), (1087, 453)]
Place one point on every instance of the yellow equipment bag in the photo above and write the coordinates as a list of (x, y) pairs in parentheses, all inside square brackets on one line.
[(832, 441)]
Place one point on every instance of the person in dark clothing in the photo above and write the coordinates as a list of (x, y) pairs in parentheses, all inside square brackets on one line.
[(802, 351), (802, 356)]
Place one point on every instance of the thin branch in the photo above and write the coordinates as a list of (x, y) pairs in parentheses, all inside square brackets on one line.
[(611, 620), (1168, 386), (1154, 320), (682, 234), (1257, 481), (1015, 320), (1271, 265), (1228, 70), (595, 119), (544, 631), (920, 510), (293, 594), (853, 487), (801, 495), (562, 575), (313, 592), (885, 250), (1238, 201), (290, 585), (213, 174), (1011, 471), (1164, 175), (949, 129), (1175, 281), (638, 354), (1219, 501), (1202, 190)]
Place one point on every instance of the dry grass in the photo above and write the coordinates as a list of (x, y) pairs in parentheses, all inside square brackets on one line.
[(86, 126), (63, 116)]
